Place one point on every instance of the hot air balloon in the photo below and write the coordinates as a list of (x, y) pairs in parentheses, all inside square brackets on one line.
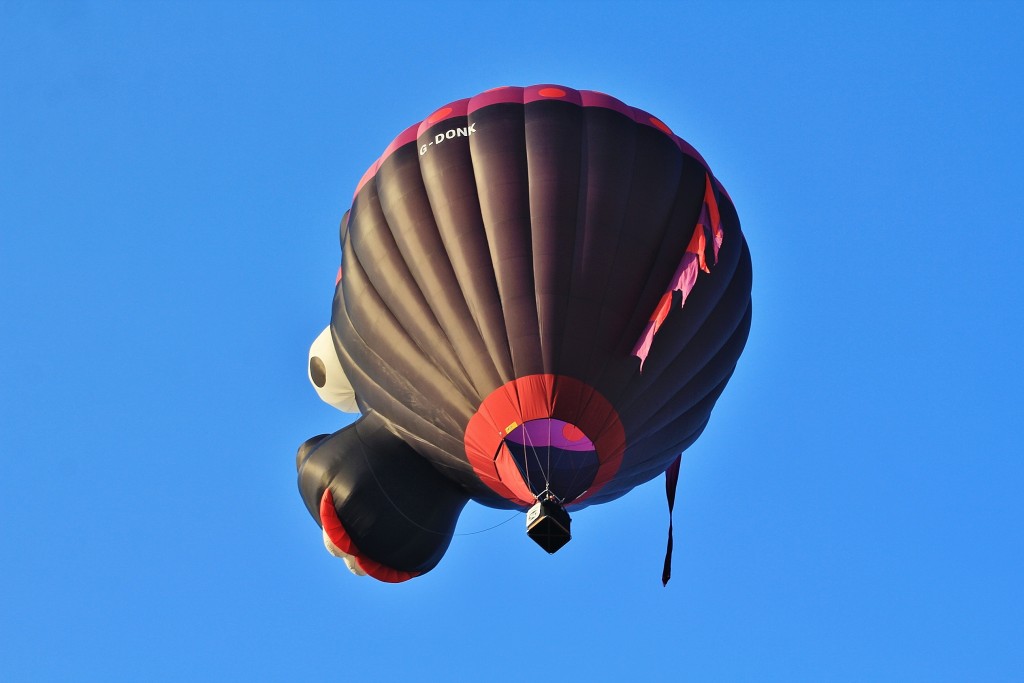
[(542, 294)]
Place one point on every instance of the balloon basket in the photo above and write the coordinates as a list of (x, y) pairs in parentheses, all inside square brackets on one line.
[(547, 523)]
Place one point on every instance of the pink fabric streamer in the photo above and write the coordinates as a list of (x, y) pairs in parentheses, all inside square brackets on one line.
[(709, 225)]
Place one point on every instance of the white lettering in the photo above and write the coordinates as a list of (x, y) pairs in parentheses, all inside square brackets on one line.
[(449, 134)]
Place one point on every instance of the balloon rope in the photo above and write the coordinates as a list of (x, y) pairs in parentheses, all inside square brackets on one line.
[(470, 533), (526, 457), (531, 448), (543, 470), (547, 481)]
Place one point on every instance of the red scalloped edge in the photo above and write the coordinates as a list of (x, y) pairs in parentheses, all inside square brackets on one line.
[(339, 537)]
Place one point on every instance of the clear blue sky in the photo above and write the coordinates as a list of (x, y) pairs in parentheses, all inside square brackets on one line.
[(171, 181)]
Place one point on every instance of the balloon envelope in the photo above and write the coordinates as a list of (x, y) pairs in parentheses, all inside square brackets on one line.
[(543, 292)]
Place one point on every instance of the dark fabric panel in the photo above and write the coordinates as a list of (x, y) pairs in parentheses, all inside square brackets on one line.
[(650, 455), (386, 353), (639, 263), (502, 184), (664, 428), (404, 201), (343, 229), (699, 381), (664, 457), (444, 452), (653, 186), (554, 140), (681, 401), (655, 453), (393, 391), (684, 321), (374, 248), (653, 191), (685, 212), (443, 448), (396, 509), (448, 176), (693, 346), (602, 221)]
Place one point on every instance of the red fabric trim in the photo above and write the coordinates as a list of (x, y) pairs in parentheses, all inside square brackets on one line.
[(593, 98), (339, 537), (502, 95), (510, 475), (513, 94), (643, 346), (720, 187), (698, 243), (661, 312), (535, 397), (448, 111), (711, 204), (370, 173), (534, 93), (404, 138)]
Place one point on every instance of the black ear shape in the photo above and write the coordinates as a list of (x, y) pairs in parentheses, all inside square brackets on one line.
[(396, 509), (306, 448)]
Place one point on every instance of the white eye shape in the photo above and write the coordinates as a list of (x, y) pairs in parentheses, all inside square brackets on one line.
[(327, 377)]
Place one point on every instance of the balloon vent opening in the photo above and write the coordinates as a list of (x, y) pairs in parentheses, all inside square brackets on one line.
[(547, 523), (553, 457)]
